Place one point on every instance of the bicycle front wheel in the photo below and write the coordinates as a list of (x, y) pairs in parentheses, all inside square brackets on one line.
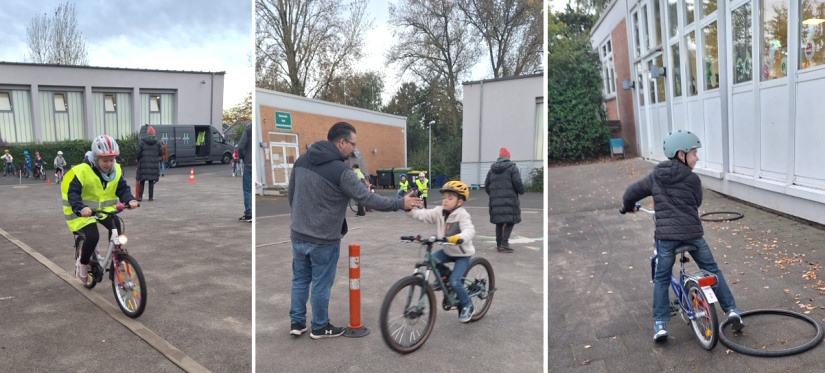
[(408, 314), (480, 282), (705, 323), (129, 286)]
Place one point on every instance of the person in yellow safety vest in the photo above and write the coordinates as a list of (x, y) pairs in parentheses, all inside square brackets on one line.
[(421, 184), (201, 137), (96, 183), (403, 186)]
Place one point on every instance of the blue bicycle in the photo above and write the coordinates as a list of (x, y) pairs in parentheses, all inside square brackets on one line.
[(694, 294)]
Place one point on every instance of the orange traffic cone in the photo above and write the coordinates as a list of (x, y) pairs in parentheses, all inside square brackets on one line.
[(191, 176), (48, 181)]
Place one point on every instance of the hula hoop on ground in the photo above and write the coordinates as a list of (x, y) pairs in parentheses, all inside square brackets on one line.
[(736, 216), (773, 353)]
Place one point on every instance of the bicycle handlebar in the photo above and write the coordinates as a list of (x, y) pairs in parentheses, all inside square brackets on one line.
[(432, 239), (118, 209), (637, 207)]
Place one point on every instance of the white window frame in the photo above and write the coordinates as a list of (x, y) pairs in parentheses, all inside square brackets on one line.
[(156, 100), (109, 103), (60, 105), (5, 101), (608, 68)]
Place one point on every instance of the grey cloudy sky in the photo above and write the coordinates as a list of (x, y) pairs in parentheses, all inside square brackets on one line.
[(204, 35)]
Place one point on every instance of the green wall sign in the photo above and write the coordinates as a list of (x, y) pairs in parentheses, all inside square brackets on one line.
[(283, 120)]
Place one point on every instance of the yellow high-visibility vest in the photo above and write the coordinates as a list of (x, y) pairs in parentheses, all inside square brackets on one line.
[(93, 194), (404, 185), (422, 187)]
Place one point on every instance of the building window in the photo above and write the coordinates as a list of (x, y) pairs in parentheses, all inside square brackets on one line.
[(5, 101), (774, 59), (672, 17), (688, 12), (690, 47), (708, 7), (677, 70), (59, 102), (109, 103), (657, 20), (657, 86), (645, 37), (640, 82), (812, 34), (711, 57), (636, 33), (154, 104), (608, 70), (538, 147), (742, 41)]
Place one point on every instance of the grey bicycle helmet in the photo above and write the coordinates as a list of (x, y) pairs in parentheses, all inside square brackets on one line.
[(680, 140)]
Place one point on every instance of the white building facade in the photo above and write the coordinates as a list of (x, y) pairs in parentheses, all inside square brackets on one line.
[(747, 76), (46, 103), (507, 112)]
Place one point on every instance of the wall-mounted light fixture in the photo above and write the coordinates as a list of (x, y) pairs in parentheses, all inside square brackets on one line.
[(657, 71), (628, 84), (374, 150)]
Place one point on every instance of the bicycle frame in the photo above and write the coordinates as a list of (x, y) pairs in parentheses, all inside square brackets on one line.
[(677, 286), (430, 263)]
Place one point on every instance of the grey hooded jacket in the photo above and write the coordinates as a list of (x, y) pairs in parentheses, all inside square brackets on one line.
[(320, 187), (677, 195)]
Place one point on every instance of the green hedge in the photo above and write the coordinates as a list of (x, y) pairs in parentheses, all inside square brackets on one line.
[(536, 183), (73, 151)]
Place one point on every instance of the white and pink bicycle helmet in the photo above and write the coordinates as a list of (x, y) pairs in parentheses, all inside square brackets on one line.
[(105, 146)]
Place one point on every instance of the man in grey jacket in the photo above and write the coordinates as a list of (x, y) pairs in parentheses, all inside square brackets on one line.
[(245, 153), (320, 187)]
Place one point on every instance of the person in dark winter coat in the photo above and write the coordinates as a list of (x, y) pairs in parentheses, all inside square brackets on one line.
[(503, 185), (677, 195), (149, 153)]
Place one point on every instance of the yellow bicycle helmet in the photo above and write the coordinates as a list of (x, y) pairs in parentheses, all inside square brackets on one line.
[(457, 187)]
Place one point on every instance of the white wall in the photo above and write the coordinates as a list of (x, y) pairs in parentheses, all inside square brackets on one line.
[(499, 113)]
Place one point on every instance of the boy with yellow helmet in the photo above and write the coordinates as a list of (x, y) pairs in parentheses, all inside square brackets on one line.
[(453, 222)]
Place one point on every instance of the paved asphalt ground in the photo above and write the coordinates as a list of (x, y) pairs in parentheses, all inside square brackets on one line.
[(600, 292), (508, 338), (195, 256)]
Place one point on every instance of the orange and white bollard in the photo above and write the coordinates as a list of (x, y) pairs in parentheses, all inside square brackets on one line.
[(355, 328), (191, 176)]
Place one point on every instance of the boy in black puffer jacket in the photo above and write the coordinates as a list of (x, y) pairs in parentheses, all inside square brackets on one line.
[(677, 195)]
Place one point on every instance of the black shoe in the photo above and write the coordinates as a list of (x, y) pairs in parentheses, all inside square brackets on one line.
[(139, 199), (504, 249), (297, 329), (328, 331), (245, 218)]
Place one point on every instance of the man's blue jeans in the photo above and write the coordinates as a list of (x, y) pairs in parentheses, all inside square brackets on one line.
[(461, 264), (315, 264), (664, 269), (247, 190)]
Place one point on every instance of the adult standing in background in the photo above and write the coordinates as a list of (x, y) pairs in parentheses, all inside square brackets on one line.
[(503, 185), (164, 159), (245, 153), (149, 153)]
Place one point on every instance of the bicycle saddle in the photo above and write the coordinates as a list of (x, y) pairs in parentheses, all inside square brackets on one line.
[(685, 248)]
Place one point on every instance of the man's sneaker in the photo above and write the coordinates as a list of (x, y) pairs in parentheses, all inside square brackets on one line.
[(735, 320), (82, 271), (504, 249), (466, 314), (297, 329), (660, 329), (245, 218), (328, 331)]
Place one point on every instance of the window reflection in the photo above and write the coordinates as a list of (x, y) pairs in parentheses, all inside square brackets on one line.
[(774, 59), (657, 22), (673, 24), (690, 48), (812, 34), (677, 70), (636, 32), (711, 57), (742, 41), (708, 7), (688, 12), (660, 81)]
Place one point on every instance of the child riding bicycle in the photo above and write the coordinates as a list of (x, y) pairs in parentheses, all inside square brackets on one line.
[(27, 164), (8, 167), (677, 195), (96, 183), (59, 166), (453, 221), (38, 165)]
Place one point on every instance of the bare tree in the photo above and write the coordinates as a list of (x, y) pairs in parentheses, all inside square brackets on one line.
[(56, 39), (434, 45), (303, 45), (511, 30)]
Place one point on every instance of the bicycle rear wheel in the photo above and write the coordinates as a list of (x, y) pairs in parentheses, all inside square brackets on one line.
[(128, 285), (408, 314), (480, 281), (353, 206), (705, 324)]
